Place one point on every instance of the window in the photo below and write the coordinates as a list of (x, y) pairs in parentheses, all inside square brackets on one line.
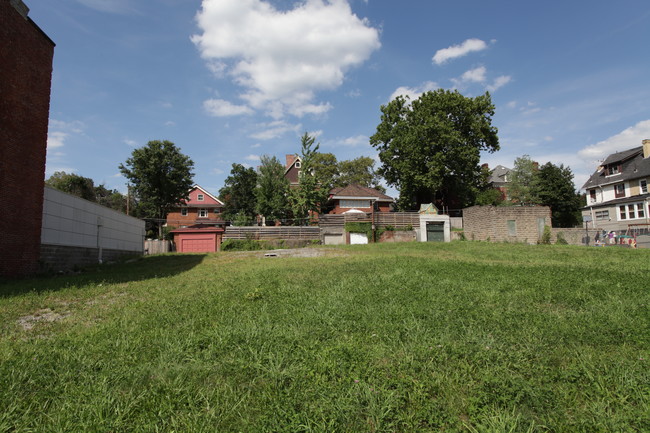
[(592, 195), (619, 190), (643, 184), (297, 164), (203, 213), (199, 197), (613, 169), (184, 211), (355, 203), (602, 215), (631, 211), (512, 228), (217, 210)]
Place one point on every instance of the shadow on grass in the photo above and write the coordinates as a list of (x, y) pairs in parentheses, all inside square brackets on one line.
[(142, 268)]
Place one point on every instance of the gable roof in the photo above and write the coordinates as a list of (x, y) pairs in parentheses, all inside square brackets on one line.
[(633, 166), (498, 175), (204, 191), (355, 191)]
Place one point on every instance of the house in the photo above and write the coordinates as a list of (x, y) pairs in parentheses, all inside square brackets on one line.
[(25, 82), (357, 198), (617, 193), (500, 179), (201, 208), (292, 169)]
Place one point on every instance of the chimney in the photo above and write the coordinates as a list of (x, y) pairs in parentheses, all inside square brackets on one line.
[(646, 148), (290, 160)]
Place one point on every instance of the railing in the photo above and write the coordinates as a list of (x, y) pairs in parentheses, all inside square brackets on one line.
[(269, 233)]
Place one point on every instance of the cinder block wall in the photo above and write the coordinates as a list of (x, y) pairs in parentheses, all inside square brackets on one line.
[(491, 222), (74, 229), (25, 78)]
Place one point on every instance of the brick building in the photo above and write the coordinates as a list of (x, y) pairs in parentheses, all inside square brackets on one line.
[(26, 54), (506, 223)]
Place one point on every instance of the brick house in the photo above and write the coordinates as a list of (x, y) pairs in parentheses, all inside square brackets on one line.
[(499, 179), (357, 198), (292, 169), (506, 223), (617, 192), (201, 208), (26, 54)]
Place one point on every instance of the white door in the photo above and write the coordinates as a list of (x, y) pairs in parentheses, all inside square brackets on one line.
[(358, 238)]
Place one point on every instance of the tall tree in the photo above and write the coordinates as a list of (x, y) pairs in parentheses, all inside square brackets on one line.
[(522, 179), (430, 147), (359, 171), (326, 169), (161, 176), (110, 198), (74, 184), (554, 187), (272, 189), (238, 195), (308, 196)]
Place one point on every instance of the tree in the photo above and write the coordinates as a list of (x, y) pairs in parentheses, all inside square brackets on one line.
[(486, 193), (553, 186), (522, 181), (74, 184), (326, 170), (359, 171), (430, 148), (161, 176), (238, 195), (308, 196), (110, 198), (272, 189)]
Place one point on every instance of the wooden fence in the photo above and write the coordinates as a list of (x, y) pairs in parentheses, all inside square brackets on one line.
[(156, 246), (269, 233), (398, 220)]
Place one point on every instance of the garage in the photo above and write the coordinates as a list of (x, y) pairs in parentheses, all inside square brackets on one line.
[(198, 239)]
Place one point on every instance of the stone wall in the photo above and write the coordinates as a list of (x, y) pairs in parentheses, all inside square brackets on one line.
[(506, 223), (25, 76)]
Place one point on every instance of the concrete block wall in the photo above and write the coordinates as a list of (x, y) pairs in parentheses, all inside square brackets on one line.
[(25, 77), (77, 229), (483, 223)]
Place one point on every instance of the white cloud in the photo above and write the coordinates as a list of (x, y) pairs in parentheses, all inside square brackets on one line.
[(499, 82), (282, 58), (217, 171), (252, 157), (131, 143), (414, 93), (626, 139), (56, 139), (275, 129), (476, 75), (256, 145), (221, 108), (357, 140), (470, 45)]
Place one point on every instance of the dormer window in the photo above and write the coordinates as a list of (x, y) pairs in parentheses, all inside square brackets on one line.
[(613, 169), (592, 195), (297, 164), (643, 185), (199, 197)]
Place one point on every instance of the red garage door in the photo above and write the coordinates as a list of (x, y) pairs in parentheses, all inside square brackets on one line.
[(198, 245)]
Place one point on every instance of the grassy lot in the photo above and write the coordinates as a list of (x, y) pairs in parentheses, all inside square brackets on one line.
[(460, 337)]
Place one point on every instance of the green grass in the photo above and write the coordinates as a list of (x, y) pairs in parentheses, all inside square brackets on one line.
[(460, 337)]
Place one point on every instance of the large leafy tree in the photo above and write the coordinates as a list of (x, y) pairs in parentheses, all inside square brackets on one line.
[(326, 169), (74, 184), (359, 171), (160, 175), (553, 186), (238, 195), (272, 189), (308, 196), (521, 188), (430, 148)]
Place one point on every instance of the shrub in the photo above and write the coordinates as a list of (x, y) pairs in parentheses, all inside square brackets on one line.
[(243, 245), (546, 236), (560, 239)]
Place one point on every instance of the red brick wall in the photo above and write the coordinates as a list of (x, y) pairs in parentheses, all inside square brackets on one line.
[(25, 78)]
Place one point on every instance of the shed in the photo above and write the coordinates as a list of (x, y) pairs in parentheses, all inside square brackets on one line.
[(198, 239)]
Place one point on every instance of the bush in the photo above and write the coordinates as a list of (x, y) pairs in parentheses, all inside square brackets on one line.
[(243, 245), (546, 237), (560, 239)]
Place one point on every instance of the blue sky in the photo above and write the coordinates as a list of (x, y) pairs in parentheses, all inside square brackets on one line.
[(231, 80)]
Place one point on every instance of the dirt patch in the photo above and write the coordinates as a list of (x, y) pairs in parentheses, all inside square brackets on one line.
[(41, 316), (302, 252)]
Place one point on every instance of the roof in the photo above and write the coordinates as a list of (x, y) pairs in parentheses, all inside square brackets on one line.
[(619, 201), (355, 191), (498, 174), (199, 228), (633, 166), (203, 190)]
